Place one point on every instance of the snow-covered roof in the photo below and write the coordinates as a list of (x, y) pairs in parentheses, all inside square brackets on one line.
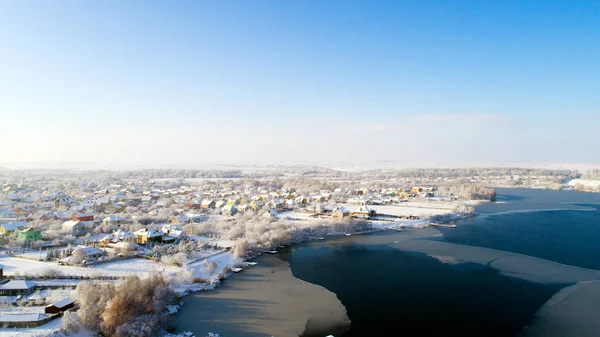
[(113, 218), (88, 251), (80, 215), (123, 235), (176, 234), (70, 223), (22, 317), (17, 284), (63, 214), (149, 232), (182, 218), (62, 303), (229, 207), (171, 227), (340, 209), (13, 225)]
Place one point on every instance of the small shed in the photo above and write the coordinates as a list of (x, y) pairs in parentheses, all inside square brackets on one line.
[(60, 306)]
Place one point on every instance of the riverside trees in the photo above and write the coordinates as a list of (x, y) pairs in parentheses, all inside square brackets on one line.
[(135, 307)]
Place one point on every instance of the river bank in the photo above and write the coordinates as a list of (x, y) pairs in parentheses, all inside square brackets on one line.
[(265, 300)]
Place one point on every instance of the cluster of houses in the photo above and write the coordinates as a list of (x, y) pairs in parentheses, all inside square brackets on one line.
[(12, 291), (81, 207)]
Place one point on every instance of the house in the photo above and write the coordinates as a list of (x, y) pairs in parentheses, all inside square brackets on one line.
[(256, 205), (271, 214), (63, 215), (340, 212), (229, 210), (197, 218), (319, 198), (182, 219), (277, 204), (173, 231), (207, 203), (84, 216), (303, 200), (118, 236), (416, 189), (146, 235), (29, 234), (85, 252), (88, 252), (14, 197), (234, 201), (60, 306), (220, 203), (364, 212), (113, 220), (7, 228), (22, 210), (47, 216), (290, 203), (17, 287), (193, 204), (74, 226)]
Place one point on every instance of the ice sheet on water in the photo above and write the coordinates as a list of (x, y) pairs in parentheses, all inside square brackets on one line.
[(570, 312), (578, 209), (510, 264)]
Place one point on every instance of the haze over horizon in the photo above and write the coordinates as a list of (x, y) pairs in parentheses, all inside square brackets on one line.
[(142, 83)]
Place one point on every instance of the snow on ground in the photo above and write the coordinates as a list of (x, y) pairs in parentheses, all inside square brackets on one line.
[(400, 224), (14, 265), (418, 209), (58, 282), (223, 260), (595, 184), (33, 255), (142, 267), (42, 330), (213, 241)]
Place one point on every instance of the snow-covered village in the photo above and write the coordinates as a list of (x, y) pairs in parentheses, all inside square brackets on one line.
[(74, 241), (275, 168)]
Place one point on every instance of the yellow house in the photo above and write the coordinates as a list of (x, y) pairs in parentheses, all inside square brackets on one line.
[(256, 205), (7, 228)]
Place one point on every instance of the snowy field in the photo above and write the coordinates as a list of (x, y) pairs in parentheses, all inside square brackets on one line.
[(14, 265), (212, 241), (35, 255), (594, 184), (223, 260), (141, 267), (418, 209)]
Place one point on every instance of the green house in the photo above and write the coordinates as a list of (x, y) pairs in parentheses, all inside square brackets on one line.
[(30, 234)]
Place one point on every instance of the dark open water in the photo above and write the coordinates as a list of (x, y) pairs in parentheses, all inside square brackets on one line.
[(387, 289)]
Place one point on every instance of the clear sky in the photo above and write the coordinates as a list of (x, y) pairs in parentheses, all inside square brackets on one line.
[(286, 82)]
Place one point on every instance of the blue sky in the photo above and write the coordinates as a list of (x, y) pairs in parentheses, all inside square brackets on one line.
[(326, 82)]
